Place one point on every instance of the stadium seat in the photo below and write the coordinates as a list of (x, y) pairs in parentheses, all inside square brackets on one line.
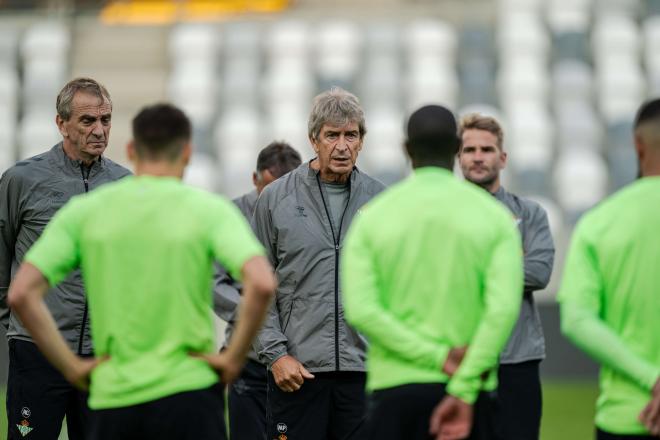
[(522, 33), (195, 43), (572, 80), (621, 87), (615, 34), (37, 132), (580, 181), (430, 37), (383, 153), (568, 16), (287, 39), (338, 48), (202, 172), (578, 124)]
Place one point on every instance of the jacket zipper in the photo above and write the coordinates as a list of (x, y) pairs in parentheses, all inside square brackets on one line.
[(336, 239), (85, 310)]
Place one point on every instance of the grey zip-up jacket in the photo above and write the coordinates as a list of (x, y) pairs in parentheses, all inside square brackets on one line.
[(306, 320), (527, 342), (226, 290), (31, 192)]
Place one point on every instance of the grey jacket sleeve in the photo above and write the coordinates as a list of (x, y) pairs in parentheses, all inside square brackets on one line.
[(539, 249), (270, 344), (9, 201), (226, 294)]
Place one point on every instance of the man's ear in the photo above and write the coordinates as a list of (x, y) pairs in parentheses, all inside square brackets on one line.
[(504, 158), (130, 151), (314, 146), (406, 148), (60, 126), (186, 153)]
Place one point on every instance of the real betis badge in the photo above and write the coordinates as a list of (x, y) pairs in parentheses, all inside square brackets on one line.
[(24, 428)]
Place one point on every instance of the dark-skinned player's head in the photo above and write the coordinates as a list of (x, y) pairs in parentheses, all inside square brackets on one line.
[(647, 137), (431, 137)]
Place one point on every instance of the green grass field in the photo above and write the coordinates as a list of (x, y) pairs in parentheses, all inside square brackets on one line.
[(568, 411)]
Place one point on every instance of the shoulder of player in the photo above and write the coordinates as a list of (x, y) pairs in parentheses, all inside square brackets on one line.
[(531, 209), (30, 168), (494, 211), (283, 187), (369, 184), (115, 170), (608, 210)]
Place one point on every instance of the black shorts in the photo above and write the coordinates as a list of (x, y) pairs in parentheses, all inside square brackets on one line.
[(247, 403), (404, 413), (38, 397), (191, 415), (330, 406), (602, 435), (520, 401)]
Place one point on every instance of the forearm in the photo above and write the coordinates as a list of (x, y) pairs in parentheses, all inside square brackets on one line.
[(593, 336), (257, 294), (483, 353), (502, 298), (537, 274), (383, 329), (226, 295), (271, 343)]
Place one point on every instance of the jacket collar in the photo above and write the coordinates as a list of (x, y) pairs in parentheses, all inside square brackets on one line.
[(60, 158), (501, 194), (310, 173)]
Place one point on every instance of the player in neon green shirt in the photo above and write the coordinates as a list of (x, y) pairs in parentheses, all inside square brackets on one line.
[(610, 297), (431, 266), (146, 246)]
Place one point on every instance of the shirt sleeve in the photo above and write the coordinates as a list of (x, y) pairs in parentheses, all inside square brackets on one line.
[(8, 229), (232, 240), (539, 250), (270, 343), (57, 252), (503, 282), (226, 294), (581, 300), (365, 310)]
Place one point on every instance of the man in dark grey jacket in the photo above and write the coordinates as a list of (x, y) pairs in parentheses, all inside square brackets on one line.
[(38, 397), (481, 158), (316, 389), (247, 395)]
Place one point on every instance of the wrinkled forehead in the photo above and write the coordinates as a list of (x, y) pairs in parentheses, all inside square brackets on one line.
[(340, 126), (89, 104)]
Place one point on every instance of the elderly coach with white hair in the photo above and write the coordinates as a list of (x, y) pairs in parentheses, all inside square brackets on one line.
[(316, 389)]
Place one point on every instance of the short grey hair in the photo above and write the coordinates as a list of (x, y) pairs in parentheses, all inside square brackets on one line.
[(86, 85), (337, 107)]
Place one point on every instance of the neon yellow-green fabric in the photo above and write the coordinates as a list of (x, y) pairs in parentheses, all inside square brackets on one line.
[(146, 246), (430, 264), (610, 301)]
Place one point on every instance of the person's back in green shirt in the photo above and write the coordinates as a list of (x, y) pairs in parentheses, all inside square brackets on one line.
[(430, 265), (612, 279), (609, 295), (146, 247)]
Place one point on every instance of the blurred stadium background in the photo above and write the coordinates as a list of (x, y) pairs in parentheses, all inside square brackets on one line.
[(565, 77)]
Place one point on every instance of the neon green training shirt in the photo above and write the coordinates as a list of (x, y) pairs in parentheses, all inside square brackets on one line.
[(431, 264), (610, 300), (146, 246)]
